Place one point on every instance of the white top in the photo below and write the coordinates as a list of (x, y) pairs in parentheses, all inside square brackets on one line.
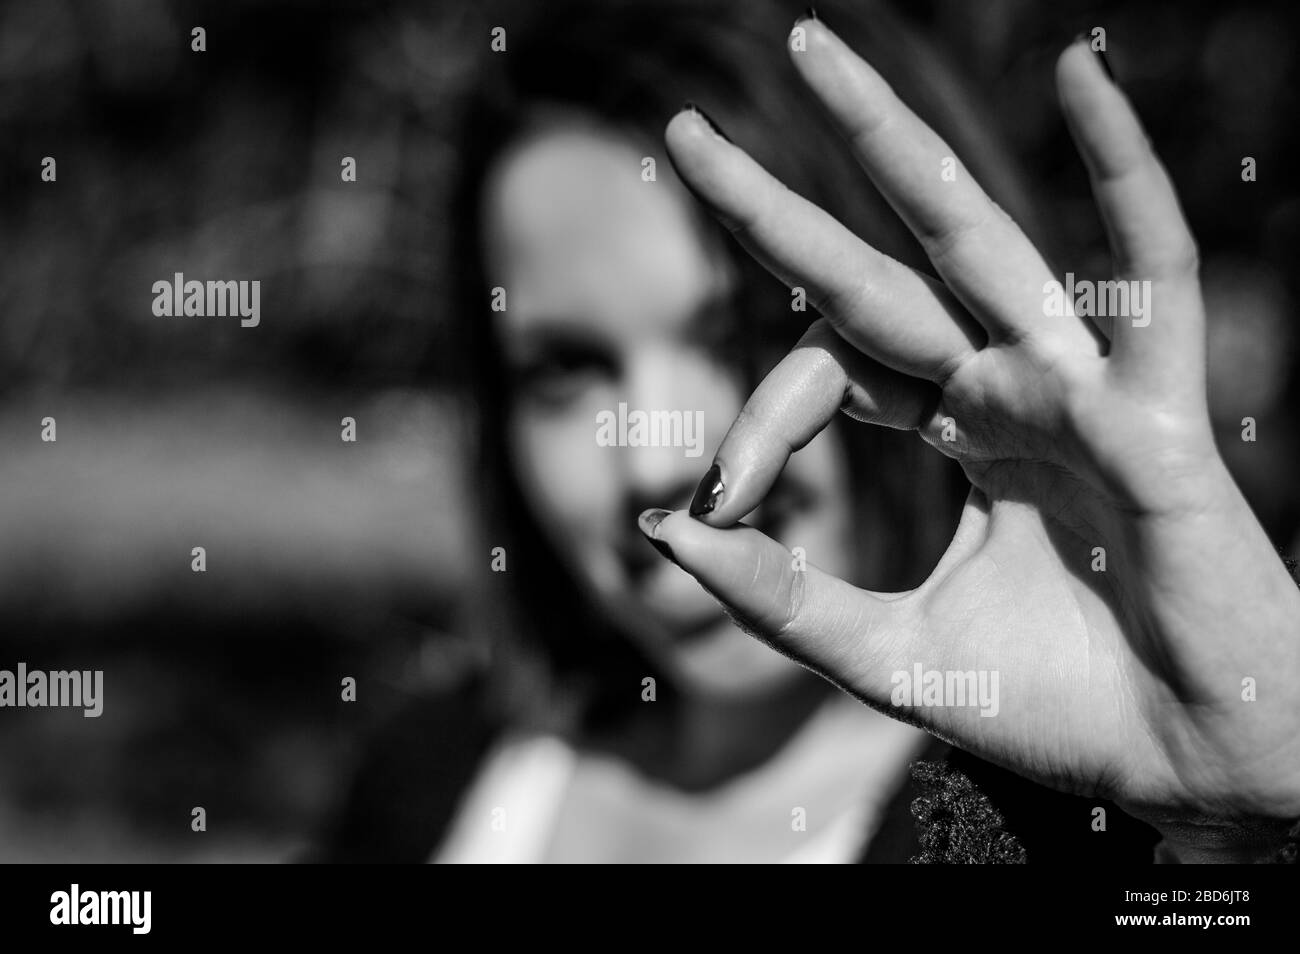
[(817, 800)]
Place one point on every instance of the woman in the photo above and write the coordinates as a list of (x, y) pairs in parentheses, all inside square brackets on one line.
[(634, 722)]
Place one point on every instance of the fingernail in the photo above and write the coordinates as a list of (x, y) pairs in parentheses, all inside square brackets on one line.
[(1100, 54), (707, 118), (648, 523), (809, 14), (709, 493)]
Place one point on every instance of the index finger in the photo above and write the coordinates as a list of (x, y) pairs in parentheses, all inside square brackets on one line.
[(820, 377)]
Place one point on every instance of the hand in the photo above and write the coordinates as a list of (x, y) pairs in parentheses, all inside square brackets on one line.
[(1076, 434)]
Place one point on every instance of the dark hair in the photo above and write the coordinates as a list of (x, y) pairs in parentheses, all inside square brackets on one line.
[(631, 65)]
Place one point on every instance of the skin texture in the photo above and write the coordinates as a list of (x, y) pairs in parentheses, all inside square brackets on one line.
[(1127, 682)]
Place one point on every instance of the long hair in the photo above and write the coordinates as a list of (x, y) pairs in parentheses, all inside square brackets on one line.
[(630, 65)]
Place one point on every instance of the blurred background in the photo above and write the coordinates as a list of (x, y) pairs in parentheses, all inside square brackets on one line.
[(328, 559)]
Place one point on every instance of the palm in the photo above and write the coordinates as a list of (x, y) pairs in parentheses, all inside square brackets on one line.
[(1008, 597), (1051, 563)]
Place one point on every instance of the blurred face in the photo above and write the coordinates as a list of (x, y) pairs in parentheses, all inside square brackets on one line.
[(615, 299)]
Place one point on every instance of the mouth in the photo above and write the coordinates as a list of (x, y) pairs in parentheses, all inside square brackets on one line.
[(689, 632), (668, 597)]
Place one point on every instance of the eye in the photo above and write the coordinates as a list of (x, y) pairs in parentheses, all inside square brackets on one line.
[(560, 372), (716, 328)]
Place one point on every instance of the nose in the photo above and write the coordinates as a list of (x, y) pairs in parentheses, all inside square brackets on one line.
[(667, 394)]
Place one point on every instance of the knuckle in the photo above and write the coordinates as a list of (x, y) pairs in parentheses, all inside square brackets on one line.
[(746, 422), (950, 366), (839, 304), (870, 127), (1177, 258), (943, 239), (1187, 256), (795, 588)]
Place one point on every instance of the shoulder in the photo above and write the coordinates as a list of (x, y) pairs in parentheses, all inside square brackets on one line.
[(411, 774)]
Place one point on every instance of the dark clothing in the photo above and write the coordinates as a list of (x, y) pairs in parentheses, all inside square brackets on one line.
[(952, 808)]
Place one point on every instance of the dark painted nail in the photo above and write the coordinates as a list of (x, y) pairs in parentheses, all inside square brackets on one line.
[(707, 118), (809, 14), (1100, 54), (708, 493), (648, 522)]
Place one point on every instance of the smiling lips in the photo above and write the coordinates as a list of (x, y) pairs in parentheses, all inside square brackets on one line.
[(667, 594)]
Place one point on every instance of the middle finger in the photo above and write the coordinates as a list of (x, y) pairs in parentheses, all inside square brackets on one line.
[(982, 255)]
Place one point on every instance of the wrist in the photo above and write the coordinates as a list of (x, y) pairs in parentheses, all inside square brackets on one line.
[(1256, 843)]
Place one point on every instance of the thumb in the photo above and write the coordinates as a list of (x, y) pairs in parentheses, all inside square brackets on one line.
[(852, 637)]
